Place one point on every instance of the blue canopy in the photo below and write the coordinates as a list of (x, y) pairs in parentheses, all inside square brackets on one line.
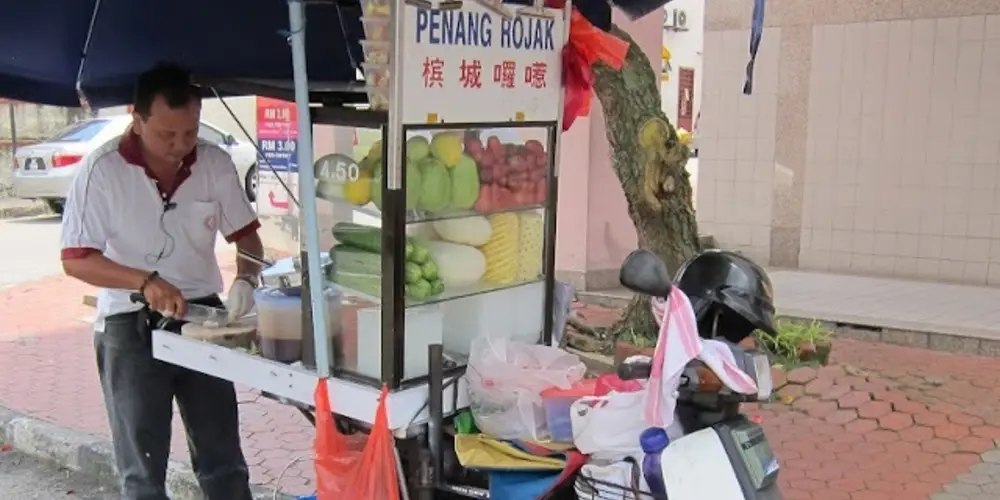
[(42, 42)]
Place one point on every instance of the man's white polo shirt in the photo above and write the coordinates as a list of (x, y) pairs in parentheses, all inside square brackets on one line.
[(116, 207)]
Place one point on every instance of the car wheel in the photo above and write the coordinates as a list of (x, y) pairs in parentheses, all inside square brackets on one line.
[(251, 183), (56, 206)]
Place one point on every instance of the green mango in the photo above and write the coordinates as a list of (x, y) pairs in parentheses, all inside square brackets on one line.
[(417, 148), (464, 183), (435, 193)]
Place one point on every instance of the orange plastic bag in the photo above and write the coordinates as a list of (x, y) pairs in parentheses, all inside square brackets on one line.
[(587, 45), (350, 468)]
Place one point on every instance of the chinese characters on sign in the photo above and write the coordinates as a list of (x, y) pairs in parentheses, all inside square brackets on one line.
[(433, 72), (473, 64), (472, 29), (470, 74)]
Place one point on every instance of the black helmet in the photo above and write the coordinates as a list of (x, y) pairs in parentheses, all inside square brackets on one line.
[(731, 295)]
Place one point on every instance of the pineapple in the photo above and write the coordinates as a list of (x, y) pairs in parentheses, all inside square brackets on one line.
[(530, 243), (501, 250)]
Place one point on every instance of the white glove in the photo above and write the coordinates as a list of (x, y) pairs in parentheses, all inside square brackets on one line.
[(239, 301)]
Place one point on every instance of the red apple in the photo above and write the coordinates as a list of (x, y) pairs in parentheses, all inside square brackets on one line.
[(542, 160), (473, 146), (517, 163), (534, 146), (494, 145)]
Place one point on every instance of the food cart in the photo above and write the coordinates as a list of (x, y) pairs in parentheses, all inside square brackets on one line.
[(440, 232)]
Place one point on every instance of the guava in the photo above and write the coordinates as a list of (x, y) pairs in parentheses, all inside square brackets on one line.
[(417, 148)]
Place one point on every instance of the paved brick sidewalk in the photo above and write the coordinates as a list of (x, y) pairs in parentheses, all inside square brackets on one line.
[(885, 422), (48, 371)]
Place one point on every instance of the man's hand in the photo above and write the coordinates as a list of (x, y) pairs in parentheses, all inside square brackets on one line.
[(239, 301), (164, 298)]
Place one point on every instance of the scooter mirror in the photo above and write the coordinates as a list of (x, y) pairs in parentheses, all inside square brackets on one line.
[(644, 272)]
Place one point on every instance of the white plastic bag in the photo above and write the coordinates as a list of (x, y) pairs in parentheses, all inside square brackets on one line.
[(506, 379), (608, 427)]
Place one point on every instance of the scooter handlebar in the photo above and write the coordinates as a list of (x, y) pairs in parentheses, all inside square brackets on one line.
[(634, 371)]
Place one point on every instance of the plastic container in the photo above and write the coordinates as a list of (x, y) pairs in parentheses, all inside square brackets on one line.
[(376, 75), (653, 441), (375, 51), (378, 97), (608, 382), (375, 8), (334, 330), (279, 325), (376, 28), (557, 403)]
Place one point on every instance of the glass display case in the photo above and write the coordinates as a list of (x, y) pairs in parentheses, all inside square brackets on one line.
[(435, 226), (459, 251)]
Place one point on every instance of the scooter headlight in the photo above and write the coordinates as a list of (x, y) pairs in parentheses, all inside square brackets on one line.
[(762, 372)]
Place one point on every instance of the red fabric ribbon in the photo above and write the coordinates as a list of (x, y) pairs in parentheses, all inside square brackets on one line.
[(587, 45)]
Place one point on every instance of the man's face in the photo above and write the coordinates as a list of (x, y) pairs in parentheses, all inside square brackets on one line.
[(169, 134)]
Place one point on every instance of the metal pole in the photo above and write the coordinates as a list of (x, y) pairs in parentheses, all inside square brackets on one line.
[(307, 184), (435, 410), (13, 127), (83, 61)]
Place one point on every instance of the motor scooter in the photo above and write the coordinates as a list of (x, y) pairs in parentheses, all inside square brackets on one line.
[(722, 455)]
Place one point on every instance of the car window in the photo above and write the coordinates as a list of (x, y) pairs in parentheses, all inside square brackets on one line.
[(80, 132), (209, 134)]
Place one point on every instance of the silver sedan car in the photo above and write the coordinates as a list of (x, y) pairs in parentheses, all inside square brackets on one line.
[(43, 171)]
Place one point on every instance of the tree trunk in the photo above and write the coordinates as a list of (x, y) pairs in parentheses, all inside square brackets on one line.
[(649, 160)]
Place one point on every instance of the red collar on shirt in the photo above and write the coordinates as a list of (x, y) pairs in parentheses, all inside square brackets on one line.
[(130, 148)]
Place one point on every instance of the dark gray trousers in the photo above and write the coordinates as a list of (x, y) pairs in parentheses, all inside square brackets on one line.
[(139, 392)]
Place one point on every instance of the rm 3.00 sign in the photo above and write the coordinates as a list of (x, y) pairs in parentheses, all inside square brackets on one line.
[(277, 146), (337, 168)]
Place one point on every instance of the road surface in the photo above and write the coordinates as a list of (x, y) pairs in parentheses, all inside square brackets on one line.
[(29, 249), (26, 478)]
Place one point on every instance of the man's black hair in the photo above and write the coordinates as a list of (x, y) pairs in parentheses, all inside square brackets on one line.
[(169, 80)]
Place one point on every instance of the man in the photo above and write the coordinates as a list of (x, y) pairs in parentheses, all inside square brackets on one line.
[(143, 217)]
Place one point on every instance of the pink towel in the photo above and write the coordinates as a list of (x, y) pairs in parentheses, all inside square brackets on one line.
[(678, 343)]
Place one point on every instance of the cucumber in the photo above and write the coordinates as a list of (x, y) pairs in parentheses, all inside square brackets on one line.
[(366, 284), (355, 260), (358, 236), (357, 270), (361, 271)]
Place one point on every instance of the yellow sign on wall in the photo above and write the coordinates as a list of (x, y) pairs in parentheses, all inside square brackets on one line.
[(666, 56)]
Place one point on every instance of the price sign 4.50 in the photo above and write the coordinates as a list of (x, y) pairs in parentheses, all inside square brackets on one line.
[(337, 168)]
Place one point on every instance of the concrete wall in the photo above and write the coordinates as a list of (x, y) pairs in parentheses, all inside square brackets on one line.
[(871, 144), (686, 52)]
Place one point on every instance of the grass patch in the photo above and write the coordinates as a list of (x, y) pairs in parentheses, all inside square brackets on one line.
[(784, 347), (634, 338)]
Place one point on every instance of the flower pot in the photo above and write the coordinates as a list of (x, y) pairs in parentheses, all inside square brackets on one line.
[(812, 352), (624, 350)]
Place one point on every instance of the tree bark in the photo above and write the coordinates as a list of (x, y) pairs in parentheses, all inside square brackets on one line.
[(649, 160)]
